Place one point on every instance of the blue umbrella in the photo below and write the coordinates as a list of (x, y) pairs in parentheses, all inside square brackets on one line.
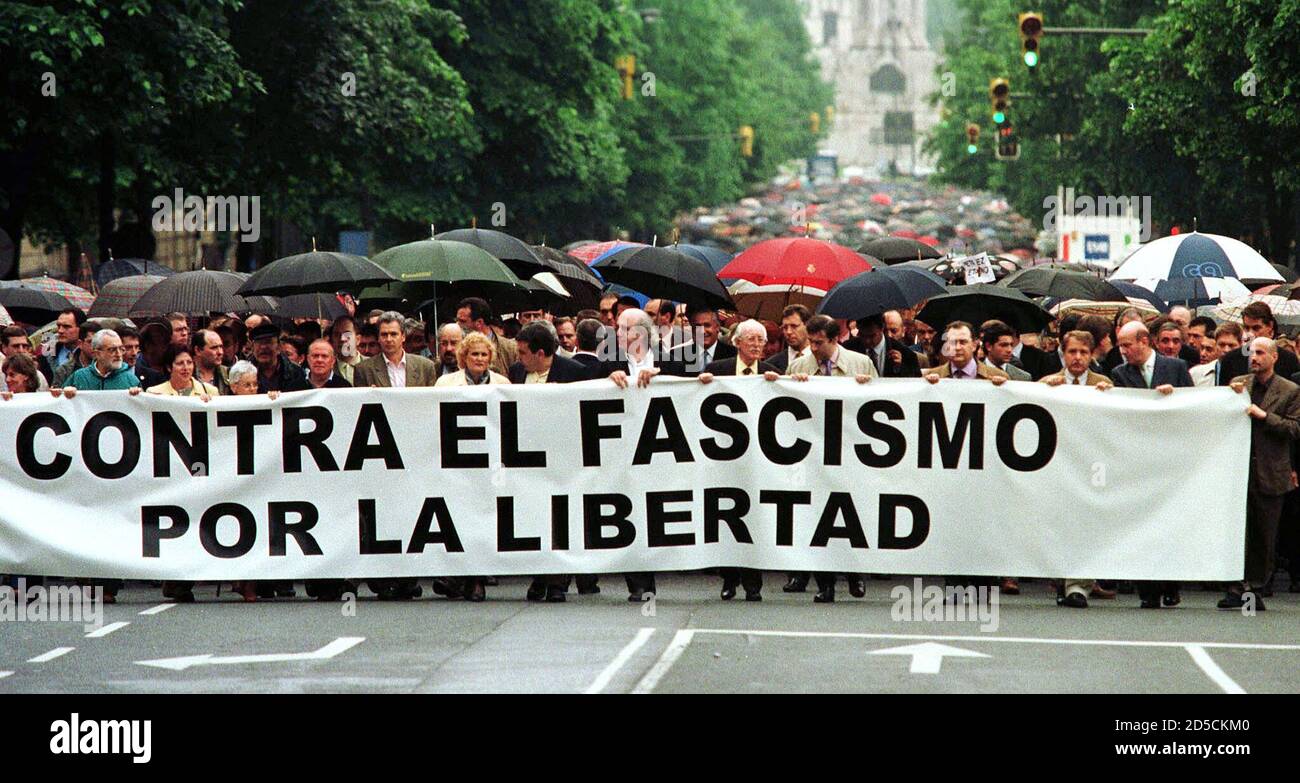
[(887, 288), (1135, 291), (715, 257)]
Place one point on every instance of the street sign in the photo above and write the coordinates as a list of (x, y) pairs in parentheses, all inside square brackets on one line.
[(1096, 247)]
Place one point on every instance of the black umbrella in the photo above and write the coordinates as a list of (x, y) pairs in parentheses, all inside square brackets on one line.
[(980, 302), (519, 256), (199, 292), (1286, 272), (31, 305), (872, 293), (665, 273), (315, 272), (326, 306), (1066, 284), (583, 285), (896, 250), (115, 268)]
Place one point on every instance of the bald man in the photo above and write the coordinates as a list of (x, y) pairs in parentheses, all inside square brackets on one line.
[(1144, 368), (1275, 426)]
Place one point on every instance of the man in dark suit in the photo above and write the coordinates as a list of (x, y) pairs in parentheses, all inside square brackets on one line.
[(794, 330), (1144, 368), (707, 347), (589, 333), (637, 359), (536, 344), (1275, 427), (749, 338), (890, 357)]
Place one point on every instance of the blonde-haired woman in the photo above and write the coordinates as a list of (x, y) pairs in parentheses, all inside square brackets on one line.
[(474, 356)]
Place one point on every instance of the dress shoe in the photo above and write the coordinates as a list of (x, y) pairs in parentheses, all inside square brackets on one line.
[(1074, 601), (1100, 592), (555, 595), (1231, 601), (475, 592), (588, 588), (183, 597), (110, 598), (754, 596), (536, 591), (1172, 599), (824, 597), (1150, 603), (246, 590), (1009, 586), (795, 585), (636, 596), (728, 592), (447, 587), (857, 586), (490, 581), (286, 592)]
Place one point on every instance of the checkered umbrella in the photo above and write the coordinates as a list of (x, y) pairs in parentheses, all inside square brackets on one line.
[(78, 296), (119, 295)]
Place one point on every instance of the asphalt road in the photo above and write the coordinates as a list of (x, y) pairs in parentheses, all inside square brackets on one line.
[(685, 641)]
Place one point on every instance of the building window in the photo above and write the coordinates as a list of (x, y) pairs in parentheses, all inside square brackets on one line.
[(888, 79), (830, 27)]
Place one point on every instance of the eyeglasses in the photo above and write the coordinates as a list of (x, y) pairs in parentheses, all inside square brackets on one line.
[(118, 349)]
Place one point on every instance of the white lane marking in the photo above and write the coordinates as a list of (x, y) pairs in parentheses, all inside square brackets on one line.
[(997, 639), (927, 657), (330, 650), (51, 655), (624, 655), (4, 675), (675, 649), (99, 633), (1212, 669), (159, 609)]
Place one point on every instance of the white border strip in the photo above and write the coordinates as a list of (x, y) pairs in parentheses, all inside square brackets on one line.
[(999, 639), (674, 651), (1212, 670)]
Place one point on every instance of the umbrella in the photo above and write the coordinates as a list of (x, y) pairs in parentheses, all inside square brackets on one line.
[(315, 272), (517, 255), (667, 273), (768, 302), (1107, 310), (1047, 281), (1196, 290), (1231, 310), (317, 305), (120, 294), (567, 268), (584, 290), (896, 250), (1136, 293), (78, 296), (591, 253), (1196, 255), (5, 319), (872, 293), (434, 268), (807, 262), (197, 292), (980, 302), (715, 257), (115, 268), (31, 305)]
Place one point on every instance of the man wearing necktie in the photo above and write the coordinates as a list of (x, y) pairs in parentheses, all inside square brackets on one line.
[(1144, 368), (709, 349), (890, 357), (749, 338), (959, 346), (1078, 347), (829, 359)]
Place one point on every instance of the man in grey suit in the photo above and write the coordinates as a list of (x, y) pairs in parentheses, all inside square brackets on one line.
[(397, 369), (1143, 368), (1000, 343), (394, 367), (1275, 426)]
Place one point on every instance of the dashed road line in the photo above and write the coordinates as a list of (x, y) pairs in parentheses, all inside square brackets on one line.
[(99, 633), (159, 609), (51, 655)]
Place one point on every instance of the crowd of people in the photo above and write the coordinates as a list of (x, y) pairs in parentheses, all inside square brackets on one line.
[(628, 344)]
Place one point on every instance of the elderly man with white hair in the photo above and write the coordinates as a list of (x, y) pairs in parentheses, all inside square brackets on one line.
[(636, 357)]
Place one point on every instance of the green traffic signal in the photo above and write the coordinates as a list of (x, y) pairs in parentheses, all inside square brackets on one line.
[(1031, 58), (999, 117), (971, 149)]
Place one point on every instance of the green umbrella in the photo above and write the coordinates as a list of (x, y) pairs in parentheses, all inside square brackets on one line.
[(436, 268)]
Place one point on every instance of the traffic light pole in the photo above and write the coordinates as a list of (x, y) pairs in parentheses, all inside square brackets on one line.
[(1096, 31)]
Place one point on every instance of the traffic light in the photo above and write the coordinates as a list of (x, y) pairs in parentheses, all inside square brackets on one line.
[(747, 141), (815, 123), (830, 114), (1008, 144), (1000, 98), (1031, 29), (972, 139), (626, 65)]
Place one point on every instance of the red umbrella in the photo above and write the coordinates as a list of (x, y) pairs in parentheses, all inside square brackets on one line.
[(590, 254), (797, 261), (882, 199)]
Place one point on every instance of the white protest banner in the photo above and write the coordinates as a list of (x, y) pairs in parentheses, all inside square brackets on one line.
[(977, 269), (895, 476)]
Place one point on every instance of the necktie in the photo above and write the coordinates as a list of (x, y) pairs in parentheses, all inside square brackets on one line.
[(826, 367), (747, 371), (880, 369), (1076, 380), (1146, 379)]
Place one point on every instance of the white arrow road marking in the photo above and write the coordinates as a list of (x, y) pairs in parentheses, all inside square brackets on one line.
[(927, 657), (342, 644), (4, 675), (51, 655)]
